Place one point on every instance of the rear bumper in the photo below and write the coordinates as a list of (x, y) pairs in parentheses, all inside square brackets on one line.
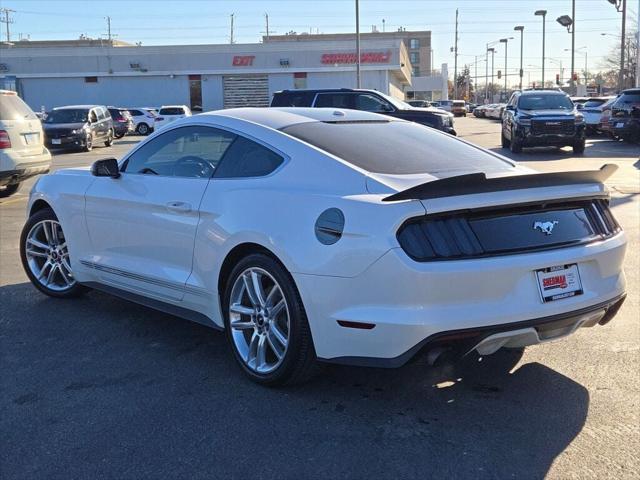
[(14, 168), (411, 304)]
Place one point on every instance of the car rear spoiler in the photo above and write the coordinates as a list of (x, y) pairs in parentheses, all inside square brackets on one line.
[(479, 183)]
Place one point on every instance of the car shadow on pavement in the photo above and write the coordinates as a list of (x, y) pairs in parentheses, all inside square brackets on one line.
[(99, 386), (592, 150)]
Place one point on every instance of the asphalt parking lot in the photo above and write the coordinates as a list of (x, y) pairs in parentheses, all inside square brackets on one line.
[(103, 388)]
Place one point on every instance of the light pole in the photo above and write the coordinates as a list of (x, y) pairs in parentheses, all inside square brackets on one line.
[(543, 14), (586, 77), (520, 28), (621, 6), (358, 82), (567, 21), (506, 42), (493, 51)]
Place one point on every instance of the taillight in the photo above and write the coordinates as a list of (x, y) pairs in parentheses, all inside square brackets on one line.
[(5, 141)]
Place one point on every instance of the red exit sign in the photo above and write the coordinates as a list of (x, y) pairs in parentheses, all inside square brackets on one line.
[(243, 60)]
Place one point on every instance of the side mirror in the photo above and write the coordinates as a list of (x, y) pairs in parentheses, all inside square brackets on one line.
[(107, 167)]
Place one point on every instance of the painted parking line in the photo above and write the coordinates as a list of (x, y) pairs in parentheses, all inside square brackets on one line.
[(16, 199)]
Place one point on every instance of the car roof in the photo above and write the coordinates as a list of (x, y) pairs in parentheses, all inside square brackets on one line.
[(77, 107), (329, 90), (282, 117), (174, 106), (538, 92)]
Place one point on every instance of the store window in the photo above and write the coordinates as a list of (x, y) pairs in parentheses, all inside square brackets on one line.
[(195, 92), (414, 57), (414, 43), (415, 71), (300, 80)]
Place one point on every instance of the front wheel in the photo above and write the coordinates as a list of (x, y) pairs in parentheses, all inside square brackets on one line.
[(109, 141), (266, 323), (88, 144), (504, 140), (45, 256), (9, 190), (143, 129), (578, 146), (515, 144)]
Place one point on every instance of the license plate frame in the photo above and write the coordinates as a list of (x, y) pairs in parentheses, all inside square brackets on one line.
[(56, 141), (558, 282), (31, 138)]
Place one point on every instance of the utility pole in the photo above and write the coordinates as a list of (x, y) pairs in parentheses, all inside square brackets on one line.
[(475, 79), (455, 62), (231, 36), (7, 21), (573, 46), (624, 24), (266, 17), (358, 82), (383, 22), (108, 28), (486, 75)]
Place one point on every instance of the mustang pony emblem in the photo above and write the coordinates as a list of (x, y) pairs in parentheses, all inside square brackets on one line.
[(545, 227)]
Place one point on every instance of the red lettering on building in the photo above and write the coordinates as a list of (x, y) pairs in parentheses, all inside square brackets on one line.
[(348, 58), (243, 60)]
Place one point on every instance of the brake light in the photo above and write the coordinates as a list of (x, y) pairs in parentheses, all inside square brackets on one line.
[(120, 119), (5, 141)]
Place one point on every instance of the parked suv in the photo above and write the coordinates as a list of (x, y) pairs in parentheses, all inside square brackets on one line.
[(22, 150), (122, 122), (143, 119), (78, 126), (535, 118), (170, 113), (368, 100), (625, 115)]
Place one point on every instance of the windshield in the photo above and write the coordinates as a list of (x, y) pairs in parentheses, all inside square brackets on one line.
[(70, 115), (545, 102), (374, 146)]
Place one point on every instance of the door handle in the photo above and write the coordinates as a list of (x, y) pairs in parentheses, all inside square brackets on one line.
[(179, 207)]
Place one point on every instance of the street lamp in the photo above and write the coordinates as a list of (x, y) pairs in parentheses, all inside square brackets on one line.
[(506, 42), (493, 51), (358, 81), (543, 14), (520, 28), (621, 6), (586, 77), (569, 23)]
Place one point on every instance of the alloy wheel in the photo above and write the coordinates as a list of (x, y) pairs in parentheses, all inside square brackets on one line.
[(259, 320), (48, 257)]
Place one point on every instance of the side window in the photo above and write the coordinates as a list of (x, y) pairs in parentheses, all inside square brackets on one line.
[(371, 103), (334, 100), (135, 113), (92, 116), (246, 158), (183, 152), (101, 115)]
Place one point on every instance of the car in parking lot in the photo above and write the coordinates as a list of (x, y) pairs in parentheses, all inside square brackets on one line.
[(625, 115), (459, 108), (122, 122), (170, 113), (143, 119), (480, 111), (535, 118), (445, 105), (592, 112), (366, 100), (494, 111), (78, 127), (306, 236), (22, 151)]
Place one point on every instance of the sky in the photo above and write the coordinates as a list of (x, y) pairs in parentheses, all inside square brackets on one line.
[(163, 22)]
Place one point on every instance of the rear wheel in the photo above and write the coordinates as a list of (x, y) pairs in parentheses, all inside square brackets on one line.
[(578, 146), (8, 190), (45, 256), (143, 129), (109, 141), (118, 135), (266, 323)]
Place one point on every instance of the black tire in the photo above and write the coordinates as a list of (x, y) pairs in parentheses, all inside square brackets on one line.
[(143, 129), (299, 363), (578, 147), (88, 144), (118, 135), (504, 140), (44, 214), (515, 145), (109, 141), (9, 190)]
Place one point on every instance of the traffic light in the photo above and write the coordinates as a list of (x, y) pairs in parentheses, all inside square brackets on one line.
[(499, 74), (557, 79), (574, 77)]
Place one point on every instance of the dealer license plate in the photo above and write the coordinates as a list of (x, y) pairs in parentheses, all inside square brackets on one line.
[(561, 281), (56, 141)]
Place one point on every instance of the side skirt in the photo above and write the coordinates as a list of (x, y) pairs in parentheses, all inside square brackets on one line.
[(159, 305)]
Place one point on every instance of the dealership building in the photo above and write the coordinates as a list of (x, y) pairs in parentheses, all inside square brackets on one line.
[(204, 77)]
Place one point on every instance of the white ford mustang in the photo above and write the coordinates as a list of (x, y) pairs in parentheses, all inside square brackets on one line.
[(340, 236)]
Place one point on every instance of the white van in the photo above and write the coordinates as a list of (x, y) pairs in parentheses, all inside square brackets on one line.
[(22, 150)]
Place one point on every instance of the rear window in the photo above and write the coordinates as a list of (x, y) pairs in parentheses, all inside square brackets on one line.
[(13, 108), (594, 103), (172, 111), (398, 148)]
